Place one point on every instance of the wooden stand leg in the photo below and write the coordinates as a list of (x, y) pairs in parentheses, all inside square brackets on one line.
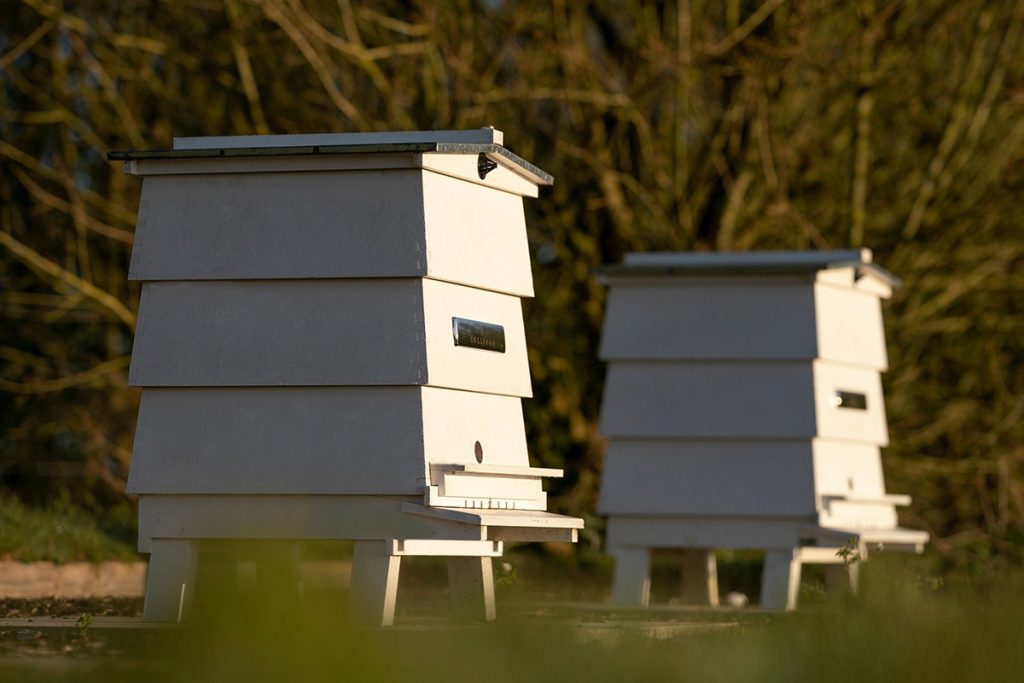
[(699, 581), (373, 588), (471, 586), (780, 582), (170, 580), (632, 582)]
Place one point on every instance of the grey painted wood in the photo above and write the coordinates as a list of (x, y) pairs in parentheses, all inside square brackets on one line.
[(290, 332), (315, 440), (683, 319), (267, 225), (324, 332), (708, 478), (474, 136), (727, 400), (749, 260), (288, 516)]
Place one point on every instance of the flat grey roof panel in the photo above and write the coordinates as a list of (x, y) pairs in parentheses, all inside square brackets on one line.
[(747, 263), (484, 141)]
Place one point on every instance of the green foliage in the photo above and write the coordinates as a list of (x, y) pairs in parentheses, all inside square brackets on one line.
[(61, 533), (686, 125)]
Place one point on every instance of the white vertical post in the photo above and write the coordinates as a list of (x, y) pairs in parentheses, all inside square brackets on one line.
[(632, 582), (170, 579), (471, 587), (373, 588), (699, 580), (780, 582)]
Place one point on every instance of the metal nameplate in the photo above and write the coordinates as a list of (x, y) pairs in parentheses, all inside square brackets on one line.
[(850, 399), (478, 335)]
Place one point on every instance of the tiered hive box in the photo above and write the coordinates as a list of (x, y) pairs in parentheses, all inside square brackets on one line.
[(330, 345), (743, 408)]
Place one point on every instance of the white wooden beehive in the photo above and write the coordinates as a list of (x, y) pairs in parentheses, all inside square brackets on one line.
[(330, 334), (743, 403)]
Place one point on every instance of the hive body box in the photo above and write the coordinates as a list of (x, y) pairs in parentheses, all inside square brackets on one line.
[(330, 345), (743, 408)]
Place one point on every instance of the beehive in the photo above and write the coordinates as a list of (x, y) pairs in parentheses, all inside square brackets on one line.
[(743, 408), (330, 345)]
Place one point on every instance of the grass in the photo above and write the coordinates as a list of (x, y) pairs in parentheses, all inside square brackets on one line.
[(904, 626), (61, 533)]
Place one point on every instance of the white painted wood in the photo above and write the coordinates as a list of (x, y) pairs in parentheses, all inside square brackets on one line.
[(859, 514), (291, 517), (373, 589), (290, 223), (699, 577), (507, 177), (471, 587), (846, 468), (465, 367), (505, 471), (511, 534), (170, 579), (316, 440), (455, 421), (845, 423), (631, 581), (708, 477), (480, 136), (435, 498), (423, 547), (780, 580), (525, 519), (849, 326), (324, 333), (458, 484), (475, 235)]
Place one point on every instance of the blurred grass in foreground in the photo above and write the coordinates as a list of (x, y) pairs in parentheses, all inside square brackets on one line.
[(905, 626), (59, 533)]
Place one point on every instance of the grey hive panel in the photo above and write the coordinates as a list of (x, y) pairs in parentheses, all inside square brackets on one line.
[(728, 478), (727, 400), (280, 225), (325, 332), (689, 318), (316, 440)]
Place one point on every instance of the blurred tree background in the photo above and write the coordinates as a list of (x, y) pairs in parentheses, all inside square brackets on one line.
[(695, 124)]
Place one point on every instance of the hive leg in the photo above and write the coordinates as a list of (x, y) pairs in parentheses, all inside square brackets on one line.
[(373, 588), (471, 586), (170, 579), (780, 582), (699, 581), (632, 582)]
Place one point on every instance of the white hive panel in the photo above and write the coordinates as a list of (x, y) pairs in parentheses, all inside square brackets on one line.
[(476, 235), (844, 468), (837, 419), (316, 440), (683, 318), (324, 332), (677, 477), (849, 326)]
